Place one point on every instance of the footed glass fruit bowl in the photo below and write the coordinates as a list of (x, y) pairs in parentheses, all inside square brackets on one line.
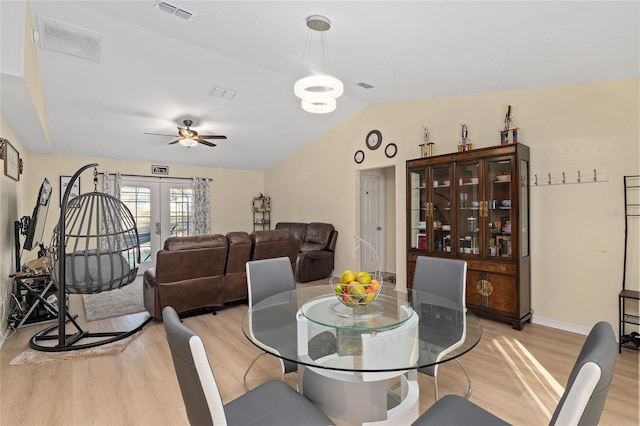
[(360, 291)]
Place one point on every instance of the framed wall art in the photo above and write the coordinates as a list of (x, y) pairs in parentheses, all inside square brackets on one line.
[(75, 189), (11, 161)]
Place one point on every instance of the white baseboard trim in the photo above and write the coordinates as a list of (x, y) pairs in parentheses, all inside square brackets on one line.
[(566, 326)]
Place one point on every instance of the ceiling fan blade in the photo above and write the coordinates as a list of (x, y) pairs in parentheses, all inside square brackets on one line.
[(213, 136), (159, 134), (176, 141), (207, 143)]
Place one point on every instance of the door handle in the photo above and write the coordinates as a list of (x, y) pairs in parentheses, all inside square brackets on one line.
[(158, 228), (379, 228)]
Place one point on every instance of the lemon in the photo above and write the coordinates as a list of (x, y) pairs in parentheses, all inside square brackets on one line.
[(356, 289), (363, 277), (368, 298), (347, 276)]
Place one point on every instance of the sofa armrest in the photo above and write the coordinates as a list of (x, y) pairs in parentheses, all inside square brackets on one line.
[(150, 293), (332, 241)]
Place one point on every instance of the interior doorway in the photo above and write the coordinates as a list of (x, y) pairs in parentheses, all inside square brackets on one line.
[(378, 219)]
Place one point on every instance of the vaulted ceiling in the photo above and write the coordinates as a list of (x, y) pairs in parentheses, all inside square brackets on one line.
[(156, 69)]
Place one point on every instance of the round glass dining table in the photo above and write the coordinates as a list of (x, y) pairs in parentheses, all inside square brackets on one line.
[(346, 355)]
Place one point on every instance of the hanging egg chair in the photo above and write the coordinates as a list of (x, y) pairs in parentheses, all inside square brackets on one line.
[(95, 248), (101, 245)]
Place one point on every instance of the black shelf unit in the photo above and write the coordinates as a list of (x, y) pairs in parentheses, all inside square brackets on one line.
[(36, 300), (261, 209), (631, 213)]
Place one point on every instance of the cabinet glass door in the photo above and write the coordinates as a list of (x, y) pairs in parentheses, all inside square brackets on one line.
[(500, 215), (469, 202), (524, 208), (441, 209), (418, 210)]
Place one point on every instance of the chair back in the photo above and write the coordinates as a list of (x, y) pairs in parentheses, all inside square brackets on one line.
[(441, 304), (269, 277), (197, 384), (445, 278), (588, 385)]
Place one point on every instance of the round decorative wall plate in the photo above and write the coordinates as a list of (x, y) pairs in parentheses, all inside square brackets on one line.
[(358, 157), (391, 150), (374, 139)]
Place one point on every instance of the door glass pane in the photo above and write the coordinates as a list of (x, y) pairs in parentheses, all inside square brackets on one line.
[(500, 217), (180, 209), (441, 209), (524, 208), (417, 192), (469, 208), (138, 200)]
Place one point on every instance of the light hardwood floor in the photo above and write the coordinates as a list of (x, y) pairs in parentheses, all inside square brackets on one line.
[(518, 375)]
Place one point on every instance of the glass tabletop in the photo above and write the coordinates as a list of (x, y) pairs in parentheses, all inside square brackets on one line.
[(381, 314), (402, 329)]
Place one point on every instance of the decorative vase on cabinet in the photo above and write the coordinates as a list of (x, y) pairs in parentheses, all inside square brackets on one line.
[(474, 206)]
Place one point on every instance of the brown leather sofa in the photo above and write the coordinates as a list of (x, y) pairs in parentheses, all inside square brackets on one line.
[(317, 244), (194, 273)]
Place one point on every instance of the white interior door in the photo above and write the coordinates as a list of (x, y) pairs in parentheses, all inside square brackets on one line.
[(161, 209), (372, 220)]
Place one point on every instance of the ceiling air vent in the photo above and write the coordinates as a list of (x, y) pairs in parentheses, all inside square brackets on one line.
[(69, 39), (365, 85), (174, 10), (218, 92)]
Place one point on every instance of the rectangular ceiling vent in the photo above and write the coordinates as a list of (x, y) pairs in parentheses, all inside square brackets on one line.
[(365, 85), (174, 10), (69, 39), (218, 92)]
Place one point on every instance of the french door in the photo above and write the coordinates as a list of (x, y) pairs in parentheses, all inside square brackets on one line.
[(161, 209)]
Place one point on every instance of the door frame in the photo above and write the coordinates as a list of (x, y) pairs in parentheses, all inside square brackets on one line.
[(379, 174)]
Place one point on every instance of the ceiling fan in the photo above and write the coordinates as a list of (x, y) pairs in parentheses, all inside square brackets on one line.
[(189, 138)]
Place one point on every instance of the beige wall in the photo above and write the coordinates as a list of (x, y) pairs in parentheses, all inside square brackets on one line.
[(10, 200), (231, 190), (577, 230)]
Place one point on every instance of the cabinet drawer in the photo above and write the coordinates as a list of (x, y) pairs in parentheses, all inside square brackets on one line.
[(499, 267)]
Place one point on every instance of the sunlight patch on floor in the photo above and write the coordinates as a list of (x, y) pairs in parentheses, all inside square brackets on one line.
[(526, 369)]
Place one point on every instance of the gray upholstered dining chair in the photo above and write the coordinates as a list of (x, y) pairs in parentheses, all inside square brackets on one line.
[(266, 278), (443, 282), (581, 404), (271, 403)]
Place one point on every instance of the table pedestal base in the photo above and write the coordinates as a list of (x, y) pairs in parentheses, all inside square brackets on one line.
[(357, 397)]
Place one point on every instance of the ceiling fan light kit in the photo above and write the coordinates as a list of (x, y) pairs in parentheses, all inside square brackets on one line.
[(191, 138), (188, 142), (318, 92)]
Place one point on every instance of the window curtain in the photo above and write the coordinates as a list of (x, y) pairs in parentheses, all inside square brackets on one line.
[(110, 186), (201, 217)]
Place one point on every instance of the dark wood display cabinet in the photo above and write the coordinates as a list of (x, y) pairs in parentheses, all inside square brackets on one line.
[(474, 206)]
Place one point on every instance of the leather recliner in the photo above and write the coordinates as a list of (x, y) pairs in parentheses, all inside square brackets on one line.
[(274, 243), (239, 254), (317, 244), (209, 271), (189, 274)]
